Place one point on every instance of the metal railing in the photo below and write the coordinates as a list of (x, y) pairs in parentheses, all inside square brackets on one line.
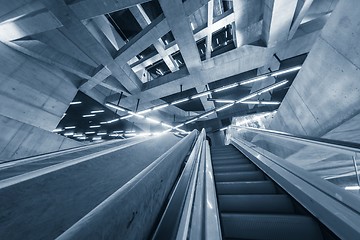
[(285, 159), (192, 211)]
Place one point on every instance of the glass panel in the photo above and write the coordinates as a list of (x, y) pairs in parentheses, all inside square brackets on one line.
[(335, 165)]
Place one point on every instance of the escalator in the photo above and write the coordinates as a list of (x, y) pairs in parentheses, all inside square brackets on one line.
[(252, 206)]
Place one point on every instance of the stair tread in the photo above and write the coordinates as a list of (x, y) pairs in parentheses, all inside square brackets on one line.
[(269, 226), (256, 203)]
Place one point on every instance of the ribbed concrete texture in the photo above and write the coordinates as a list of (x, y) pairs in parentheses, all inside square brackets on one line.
[(326, 92)]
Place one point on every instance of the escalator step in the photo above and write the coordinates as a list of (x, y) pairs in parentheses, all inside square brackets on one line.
[(239, 176), (235, 157), (234, 168), (233, 161), (251, 187), (277, 203), (269, 226)]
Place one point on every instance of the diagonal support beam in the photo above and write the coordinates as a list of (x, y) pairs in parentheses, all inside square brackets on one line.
[(144, 21), (278, 16), (299, 17)]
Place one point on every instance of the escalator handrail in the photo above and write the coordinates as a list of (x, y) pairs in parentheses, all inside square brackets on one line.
[(336, 145), (298, 183)]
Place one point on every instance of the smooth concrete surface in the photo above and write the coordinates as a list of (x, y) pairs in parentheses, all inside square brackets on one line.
[(46, 206), (326, 91), (117, 217), (19, 140)]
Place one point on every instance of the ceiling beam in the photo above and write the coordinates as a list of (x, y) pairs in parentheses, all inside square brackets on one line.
[(305, 5), (278, 16), (86, 9)]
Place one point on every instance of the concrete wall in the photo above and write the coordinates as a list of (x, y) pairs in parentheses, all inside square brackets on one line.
[(326, 92), (33, 98), (18, 140)]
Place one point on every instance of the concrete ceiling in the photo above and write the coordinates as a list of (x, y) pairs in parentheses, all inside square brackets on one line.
[(81, 38)]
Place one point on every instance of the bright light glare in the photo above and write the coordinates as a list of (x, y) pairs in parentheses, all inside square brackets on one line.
[(57, 130), (95, 126), (153, 120), (166, 125), (71, 127), (69, 134)]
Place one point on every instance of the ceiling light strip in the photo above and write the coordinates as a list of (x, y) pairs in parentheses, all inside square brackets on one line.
[(241, 100)]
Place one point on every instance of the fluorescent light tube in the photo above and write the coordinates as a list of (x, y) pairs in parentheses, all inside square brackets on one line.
[(256, 79), (114, 120), (95, 126), (180, 125), (115, 107), (226, 87), (89, 132), (201, 94), (125, 117), (224, 107), (224, 101), (144, 111), (75, 103), (118, 131), (272, 87), (71, 127), (97, 111), (160, 106), (286, 71), (166, 125), (180, 101), (222, 129), (206, 114), (246, 98), (192, 120), (68, 134), (89, 115), (57, 130)]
